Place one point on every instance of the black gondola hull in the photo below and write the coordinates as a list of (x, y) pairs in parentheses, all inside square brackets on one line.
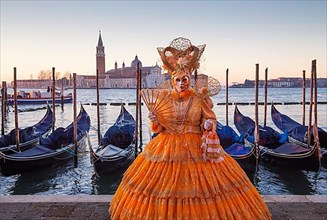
[(108, 166), (117, 149), (29, 136), (287, 154), (295, 129), (248, 164), (308, 163), (15, 165)]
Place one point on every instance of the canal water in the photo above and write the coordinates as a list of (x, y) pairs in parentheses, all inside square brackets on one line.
[(66, 179)]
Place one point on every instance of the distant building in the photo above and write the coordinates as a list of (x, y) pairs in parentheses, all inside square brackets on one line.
[(280, 82), (33, 83), (100, 56), (39, 83), (123, 77)]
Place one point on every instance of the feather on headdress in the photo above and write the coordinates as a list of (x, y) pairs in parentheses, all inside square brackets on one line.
[(181, 55)]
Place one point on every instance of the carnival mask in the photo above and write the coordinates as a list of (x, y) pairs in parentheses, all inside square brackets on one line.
[(181, 81)]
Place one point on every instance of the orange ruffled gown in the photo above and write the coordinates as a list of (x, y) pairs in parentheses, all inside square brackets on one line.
[(170, 179)]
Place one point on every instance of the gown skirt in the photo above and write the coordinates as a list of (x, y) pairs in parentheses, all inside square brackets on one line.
[(171, 180)]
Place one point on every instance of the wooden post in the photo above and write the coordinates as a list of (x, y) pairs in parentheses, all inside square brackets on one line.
[(98, 110), (140, 109), (75, 120), (266, 94), (6, 101), (137, 108), (62, 95), (315, 124), (310, 106), (256, 130), (303, 98), (16, 110), (3, 108), (53, 99), (227, 97)]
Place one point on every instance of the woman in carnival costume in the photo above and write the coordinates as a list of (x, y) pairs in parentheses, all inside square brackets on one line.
[(184, 173)]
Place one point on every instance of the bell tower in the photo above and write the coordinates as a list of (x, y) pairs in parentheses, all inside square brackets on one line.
[(100, 56)]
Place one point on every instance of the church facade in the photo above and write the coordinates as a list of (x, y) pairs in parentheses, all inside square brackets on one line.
[(120, 77)]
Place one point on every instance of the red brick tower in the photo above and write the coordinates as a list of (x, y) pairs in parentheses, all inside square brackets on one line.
[(100, 56)]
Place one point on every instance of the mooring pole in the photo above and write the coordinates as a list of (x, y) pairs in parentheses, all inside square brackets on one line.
[(227, 97), (310, 106), (75, 120), (62, 95), (140, 109), (266, 95), (137, 108), (303, 98), (53, 99), (6, 101), (3, 108), (256, 131), (315, 124), (16, 110), (98, 109)]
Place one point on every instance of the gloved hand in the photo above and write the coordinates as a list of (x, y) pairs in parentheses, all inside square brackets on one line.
[(152, 117), (208, 125)]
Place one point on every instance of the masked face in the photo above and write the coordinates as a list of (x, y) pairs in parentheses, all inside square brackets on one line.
[(181, 81)]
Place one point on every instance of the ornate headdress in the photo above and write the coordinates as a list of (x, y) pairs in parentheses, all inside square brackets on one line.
[(181, 55)]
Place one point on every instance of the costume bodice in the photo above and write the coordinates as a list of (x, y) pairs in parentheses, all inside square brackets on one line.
[(186, 112)]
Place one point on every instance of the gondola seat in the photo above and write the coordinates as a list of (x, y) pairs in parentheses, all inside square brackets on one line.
[(291, 148), (237, 149), (38, 150)]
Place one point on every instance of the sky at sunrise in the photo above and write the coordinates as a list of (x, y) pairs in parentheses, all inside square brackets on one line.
[(284, 36)]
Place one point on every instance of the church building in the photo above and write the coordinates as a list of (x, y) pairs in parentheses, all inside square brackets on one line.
[(120, 77)]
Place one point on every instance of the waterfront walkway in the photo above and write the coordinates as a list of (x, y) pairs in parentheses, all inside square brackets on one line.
[(79, 207)]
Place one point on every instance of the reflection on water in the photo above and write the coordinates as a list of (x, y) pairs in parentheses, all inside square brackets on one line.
[(42, 181), (106, 184), (287, 181), (69, 180)]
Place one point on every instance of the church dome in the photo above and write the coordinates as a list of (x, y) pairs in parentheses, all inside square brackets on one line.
[(135, 61)]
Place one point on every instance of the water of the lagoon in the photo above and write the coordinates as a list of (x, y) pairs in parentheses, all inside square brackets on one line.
[(67, 180)]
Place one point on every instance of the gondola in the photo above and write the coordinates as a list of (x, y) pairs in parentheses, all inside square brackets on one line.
[(297, 132), (234, 145), (295, 129), (117, 149), (275, 147), (55, 148), (38, 98), (28, 137)]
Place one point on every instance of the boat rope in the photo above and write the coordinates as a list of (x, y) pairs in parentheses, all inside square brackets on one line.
[(4, 156), (93, 128), (263, 153)]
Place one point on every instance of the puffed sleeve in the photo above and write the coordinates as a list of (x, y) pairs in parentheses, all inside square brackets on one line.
[(207, 112)]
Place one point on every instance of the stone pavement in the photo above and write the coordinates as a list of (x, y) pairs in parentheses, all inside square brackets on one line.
[(80, 207)]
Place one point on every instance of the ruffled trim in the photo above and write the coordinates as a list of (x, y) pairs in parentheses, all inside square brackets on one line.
[(173, 165), (241, 205), (175, 179)]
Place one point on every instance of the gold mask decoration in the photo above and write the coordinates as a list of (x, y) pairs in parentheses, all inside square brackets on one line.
[(181, 55)]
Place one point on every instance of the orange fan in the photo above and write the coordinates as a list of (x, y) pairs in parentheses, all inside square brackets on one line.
[(159, 103)]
